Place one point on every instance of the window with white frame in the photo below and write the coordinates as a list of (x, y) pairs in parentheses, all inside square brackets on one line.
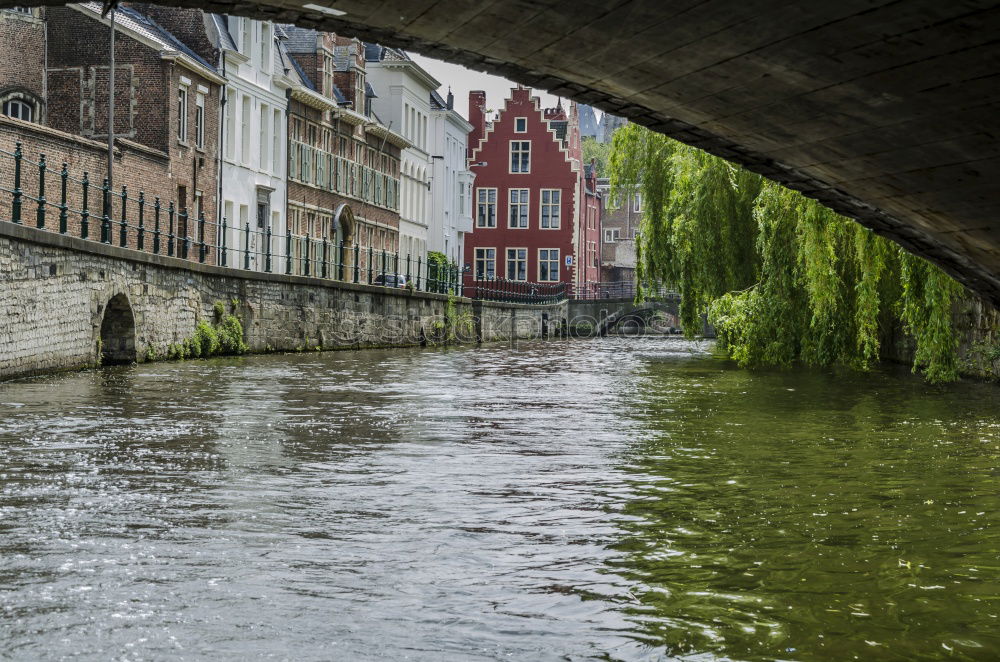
[(611, 234), (246, 38), (265, 139), (517, 264), (551, 203), (199, 121), (548, 264), (520, 124), (486, 213), (276, 134), (245, 130), (520, 156), (230, 147), (182, 114), (637, 203), (486, 263), (19, 109), (518, 208), (265, 47)]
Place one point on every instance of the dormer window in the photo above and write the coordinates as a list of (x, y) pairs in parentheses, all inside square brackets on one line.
[(19, 110), (21, 106)]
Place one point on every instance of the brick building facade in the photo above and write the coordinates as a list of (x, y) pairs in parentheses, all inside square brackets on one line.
[(344, 165), (537, 213), (620, 226), (166, 120)]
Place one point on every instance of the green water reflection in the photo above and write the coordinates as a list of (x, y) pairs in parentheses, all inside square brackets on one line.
[(810, 516)]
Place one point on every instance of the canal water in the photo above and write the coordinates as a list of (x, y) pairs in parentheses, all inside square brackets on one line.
[(614, 499)]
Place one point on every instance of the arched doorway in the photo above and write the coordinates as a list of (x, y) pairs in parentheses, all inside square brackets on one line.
[(343, 224), (118, 332)]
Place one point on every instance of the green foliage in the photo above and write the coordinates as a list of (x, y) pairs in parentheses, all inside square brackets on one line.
[(231, 336), (597, 151), (783, 278), (455, 322), (437, 258), (224, 338), (219, 310)]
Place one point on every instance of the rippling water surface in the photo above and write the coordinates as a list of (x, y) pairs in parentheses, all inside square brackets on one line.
[(625, 499)]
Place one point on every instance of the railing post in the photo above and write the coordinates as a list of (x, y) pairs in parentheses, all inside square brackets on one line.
[(288, 251), (407, 268), (40, 221), (170, 229), (63, 207), (85, 214), (246, 247), (267, 253), (15, 205), (223, 257), (395, 268), (357, 262), (325, 257), (340, 256), (370, 267), (123, 234), (156, 225), (201, 236), (105, 213), (419, 265), (305, 263), (140, 237), (186, 240), (383, 265)]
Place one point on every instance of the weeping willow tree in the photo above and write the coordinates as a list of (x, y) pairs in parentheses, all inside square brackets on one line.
[(783, 279)]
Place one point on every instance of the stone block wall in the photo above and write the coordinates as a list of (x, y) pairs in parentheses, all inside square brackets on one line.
[(57, 290)]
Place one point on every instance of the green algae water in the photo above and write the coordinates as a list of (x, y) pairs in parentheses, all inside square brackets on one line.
[(615, 499)]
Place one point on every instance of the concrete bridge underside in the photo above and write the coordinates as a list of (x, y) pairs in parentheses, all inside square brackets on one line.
[(887, 111)]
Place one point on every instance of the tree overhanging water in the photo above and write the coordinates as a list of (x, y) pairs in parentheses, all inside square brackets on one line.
[(784, 279)]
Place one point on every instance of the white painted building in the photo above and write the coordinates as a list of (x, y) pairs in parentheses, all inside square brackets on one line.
[(451, 183), (253, 130), (403, 91)]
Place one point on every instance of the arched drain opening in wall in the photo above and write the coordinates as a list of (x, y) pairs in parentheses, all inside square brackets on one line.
[(118, 332)]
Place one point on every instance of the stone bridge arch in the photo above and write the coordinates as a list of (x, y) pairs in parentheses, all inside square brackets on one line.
[(601, 316), (885, 112), (117, 331)]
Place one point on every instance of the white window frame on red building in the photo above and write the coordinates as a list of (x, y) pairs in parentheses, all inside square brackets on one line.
[(520, 125), (524, 209), (545, 209), (490, 207), (548, 260), (523, 161), (489, 268), (520, 262)]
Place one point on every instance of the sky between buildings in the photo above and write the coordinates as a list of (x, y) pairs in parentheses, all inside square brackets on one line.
[(463, 80)]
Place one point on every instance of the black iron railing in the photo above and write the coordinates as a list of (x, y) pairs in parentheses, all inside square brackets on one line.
[(616, 290), (515, 291), (165, 228)]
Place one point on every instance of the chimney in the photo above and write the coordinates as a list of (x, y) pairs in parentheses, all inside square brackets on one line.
[(477, 118), (450, 102)]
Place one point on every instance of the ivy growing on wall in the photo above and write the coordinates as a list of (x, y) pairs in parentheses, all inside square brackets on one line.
[(783, 279)]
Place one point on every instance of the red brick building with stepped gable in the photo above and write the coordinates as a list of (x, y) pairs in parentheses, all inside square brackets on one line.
[(536, 207)]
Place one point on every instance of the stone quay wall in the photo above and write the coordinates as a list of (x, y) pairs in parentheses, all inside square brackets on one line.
[(56, 292)]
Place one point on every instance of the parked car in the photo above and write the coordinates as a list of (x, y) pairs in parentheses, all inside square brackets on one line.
[(390, 280)]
